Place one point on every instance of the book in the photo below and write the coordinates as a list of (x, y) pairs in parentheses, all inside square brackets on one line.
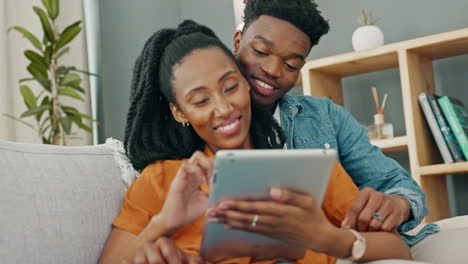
[(457, 117), (431, 120), (445, 129)]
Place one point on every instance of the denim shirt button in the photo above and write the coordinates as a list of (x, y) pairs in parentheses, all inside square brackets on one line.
[(326, 145)]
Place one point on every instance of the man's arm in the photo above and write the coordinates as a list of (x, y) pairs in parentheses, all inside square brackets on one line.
[(368, 166)]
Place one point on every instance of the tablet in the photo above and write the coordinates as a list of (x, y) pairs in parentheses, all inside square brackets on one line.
[(248, 174)]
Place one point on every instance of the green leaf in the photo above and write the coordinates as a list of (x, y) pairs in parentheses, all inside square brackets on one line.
[(28, 96), (45, 83), (85, 128), (68, 35), (48, 54), (45, 101), (71, 79), (52, 7), (18, 120), (77, 120), (66, 91), (26, 80), (63, 70), (85, 72), (77, 88), (35, 110), (66, 124), (30, 36), (36, 58), (42, 127), (37, 72), (71, 111), (49, 33), (62, 52), (45, 129)]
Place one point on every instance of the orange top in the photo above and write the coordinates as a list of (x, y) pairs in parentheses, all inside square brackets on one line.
[(146, 196)]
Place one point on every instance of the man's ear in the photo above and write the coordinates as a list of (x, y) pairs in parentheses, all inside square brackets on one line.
[(177, 114), (237, 40)]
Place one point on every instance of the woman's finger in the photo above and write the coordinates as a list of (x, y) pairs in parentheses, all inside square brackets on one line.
[(228, 216), (292, 198), (205, 163), (139, 257), (257, 207), (255, 224), (152, 254), (169, 251)]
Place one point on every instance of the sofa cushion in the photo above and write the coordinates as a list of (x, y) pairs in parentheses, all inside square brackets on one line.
[(57, 203)]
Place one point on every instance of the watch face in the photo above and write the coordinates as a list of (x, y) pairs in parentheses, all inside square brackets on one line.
[(359, 249)]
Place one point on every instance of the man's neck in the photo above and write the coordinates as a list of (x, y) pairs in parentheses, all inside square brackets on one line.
[(272, 107)]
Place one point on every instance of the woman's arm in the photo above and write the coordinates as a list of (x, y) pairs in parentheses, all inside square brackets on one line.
[(162, 250), (122, 245), (184, 203), (296, 218)]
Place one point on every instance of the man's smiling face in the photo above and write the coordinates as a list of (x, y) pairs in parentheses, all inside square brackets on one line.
[(272, 52)]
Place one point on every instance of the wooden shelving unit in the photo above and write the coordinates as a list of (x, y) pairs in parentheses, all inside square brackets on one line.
[(323, 78), (396, 144)]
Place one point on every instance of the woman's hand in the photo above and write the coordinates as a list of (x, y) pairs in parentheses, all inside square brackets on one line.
[(186, 201), (163, 251), (290, 217)]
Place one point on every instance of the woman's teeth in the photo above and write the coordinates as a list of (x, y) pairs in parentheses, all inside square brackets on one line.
[(264, 85), (228, 127)]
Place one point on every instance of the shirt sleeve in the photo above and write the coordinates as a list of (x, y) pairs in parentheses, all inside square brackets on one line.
[(143, 199), (368, 166), (340, 195)]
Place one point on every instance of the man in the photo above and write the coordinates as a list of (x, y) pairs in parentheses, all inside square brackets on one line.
[(272, 46)]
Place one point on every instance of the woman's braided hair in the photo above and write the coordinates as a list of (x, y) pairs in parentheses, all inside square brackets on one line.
[(151, 132)]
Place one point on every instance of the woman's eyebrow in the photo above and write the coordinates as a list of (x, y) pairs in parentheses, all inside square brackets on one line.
[(194, 90), (200, 88), (225, 75)]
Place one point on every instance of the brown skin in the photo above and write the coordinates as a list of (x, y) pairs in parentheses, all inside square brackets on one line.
[(210, 95), (210, 91), (297, 219), (273, 51)]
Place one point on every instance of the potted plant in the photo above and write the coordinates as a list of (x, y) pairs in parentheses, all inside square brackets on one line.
[(54, 120), (368, 35)]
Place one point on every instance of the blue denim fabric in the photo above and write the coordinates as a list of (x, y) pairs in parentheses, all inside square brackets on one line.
[(310, 122)]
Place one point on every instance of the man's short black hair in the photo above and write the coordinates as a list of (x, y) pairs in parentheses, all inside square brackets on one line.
[(303, 14)]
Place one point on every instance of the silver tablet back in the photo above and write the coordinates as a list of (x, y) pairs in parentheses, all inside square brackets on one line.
[(248, 174)]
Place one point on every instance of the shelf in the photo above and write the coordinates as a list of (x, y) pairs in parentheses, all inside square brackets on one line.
[(436, 46), (396, 144), (442, 169)]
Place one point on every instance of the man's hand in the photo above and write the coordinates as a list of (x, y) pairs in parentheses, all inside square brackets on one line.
[(163, 251), (375, 211)]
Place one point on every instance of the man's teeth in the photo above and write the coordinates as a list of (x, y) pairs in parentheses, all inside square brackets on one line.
[(264, 85), (228, 127)]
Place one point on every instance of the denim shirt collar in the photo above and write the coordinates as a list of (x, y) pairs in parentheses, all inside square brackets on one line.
[(290, 105)]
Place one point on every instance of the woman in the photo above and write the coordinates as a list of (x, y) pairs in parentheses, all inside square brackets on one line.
[(189, 99)]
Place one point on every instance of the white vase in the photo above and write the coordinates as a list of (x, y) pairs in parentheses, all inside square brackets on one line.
[(367, 37)]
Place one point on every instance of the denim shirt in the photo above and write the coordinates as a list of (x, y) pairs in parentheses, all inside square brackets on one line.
[(311, 122)]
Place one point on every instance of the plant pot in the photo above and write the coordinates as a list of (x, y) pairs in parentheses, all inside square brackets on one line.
[(367, 37)]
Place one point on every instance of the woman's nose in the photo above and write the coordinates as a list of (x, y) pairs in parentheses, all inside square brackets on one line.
[(223, 107)]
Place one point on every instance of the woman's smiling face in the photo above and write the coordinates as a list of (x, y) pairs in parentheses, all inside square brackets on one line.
[(213, 96)]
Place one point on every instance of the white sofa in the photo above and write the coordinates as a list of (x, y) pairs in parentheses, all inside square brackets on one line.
[(57, 205)]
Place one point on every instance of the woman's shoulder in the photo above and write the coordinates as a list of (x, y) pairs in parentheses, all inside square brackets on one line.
[(161, 170)]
